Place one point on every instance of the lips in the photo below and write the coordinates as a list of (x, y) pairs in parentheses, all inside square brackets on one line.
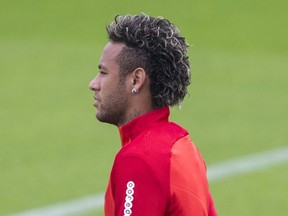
[(97, 100)]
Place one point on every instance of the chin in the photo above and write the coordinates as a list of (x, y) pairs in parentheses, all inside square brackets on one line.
[(101, 118), (105, 119)]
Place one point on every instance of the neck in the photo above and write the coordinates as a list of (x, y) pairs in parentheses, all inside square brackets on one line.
[(132, 115), (139, 104)]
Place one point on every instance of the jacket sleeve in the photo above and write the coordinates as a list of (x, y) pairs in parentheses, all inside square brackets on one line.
[(136, 188), (212, 209)]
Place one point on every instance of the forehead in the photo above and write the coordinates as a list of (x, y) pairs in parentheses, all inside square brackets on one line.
[(110, 53)]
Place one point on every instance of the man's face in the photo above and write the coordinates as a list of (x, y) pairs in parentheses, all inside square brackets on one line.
[(110, 92)]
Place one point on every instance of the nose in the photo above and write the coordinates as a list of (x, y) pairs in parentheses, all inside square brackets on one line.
[(94, 85)]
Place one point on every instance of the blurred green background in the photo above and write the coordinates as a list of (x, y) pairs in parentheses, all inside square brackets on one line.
[(52, 149)]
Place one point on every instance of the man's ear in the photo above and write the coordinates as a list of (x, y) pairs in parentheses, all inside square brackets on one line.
[(138, 78)]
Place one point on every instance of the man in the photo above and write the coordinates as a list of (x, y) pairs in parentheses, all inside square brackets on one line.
[(143, 70)]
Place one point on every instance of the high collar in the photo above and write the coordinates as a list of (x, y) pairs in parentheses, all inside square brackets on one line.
[(142, 123)]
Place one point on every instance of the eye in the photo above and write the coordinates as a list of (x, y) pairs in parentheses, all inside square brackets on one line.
[(102, 72)]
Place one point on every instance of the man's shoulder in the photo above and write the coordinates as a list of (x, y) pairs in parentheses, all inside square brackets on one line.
[(155, 142), (169, 132)]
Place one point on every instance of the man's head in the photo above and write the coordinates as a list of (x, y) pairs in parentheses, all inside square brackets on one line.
[(144, 66), (155, 45)]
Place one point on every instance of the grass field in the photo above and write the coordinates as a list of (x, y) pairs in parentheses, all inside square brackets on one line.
[(51, 147)]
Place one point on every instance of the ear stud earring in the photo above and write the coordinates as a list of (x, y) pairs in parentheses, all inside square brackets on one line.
[(134, 91)]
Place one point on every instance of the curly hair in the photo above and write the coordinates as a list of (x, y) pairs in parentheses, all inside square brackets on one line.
[(154, 44)]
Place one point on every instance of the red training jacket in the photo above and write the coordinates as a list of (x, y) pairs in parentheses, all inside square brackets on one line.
[(158, 171)]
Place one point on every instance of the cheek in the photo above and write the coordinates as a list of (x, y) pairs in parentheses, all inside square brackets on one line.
[(109, 93), (105, 86)]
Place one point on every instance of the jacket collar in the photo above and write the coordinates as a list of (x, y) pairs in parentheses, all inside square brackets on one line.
[(143, 123)]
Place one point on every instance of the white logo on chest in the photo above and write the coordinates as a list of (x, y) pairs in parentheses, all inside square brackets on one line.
[(129, 198)]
